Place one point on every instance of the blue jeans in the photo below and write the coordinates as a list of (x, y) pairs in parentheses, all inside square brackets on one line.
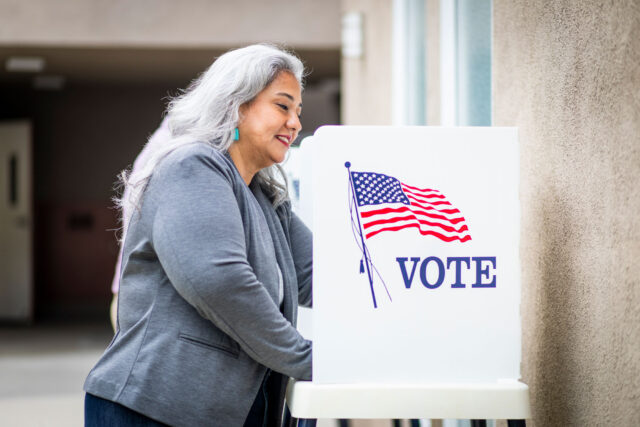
[(261, 413), (99, 412)]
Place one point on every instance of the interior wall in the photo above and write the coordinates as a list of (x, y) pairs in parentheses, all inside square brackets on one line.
[(82, 137), (568, 75), (85, 135)]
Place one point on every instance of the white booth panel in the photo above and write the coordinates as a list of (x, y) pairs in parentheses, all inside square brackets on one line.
[(416, 254)]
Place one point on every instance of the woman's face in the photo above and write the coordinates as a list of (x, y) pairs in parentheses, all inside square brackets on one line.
[(270, 123)]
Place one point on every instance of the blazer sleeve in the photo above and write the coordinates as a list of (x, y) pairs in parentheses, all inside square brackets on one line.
[(198, 236), (302, 252)]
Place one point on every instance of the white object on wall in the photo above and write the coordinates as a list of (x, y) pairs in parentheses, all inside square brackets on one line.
[(352, 35)]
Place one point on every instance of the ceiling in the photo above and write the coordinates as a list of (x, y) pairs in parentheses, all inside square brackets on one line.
[(141, 66)]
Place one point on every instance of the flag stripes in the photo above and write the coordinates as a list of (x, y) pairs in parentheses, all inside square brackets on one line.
[(386, 204)]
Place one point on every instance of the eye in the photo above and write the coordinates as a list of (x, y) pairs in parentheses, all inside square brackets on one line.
[(284, 107)]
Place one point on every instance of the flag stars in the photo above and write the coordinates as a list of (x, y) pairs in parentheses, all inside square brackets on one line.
[(375, 189)]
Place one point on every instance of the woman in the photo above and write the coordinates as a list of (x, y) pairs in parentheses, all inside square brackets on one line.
[(158, 140), (214, 262)]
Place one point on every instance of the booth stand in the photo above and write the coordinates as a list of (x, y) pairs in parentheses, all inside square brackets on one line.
[(308, 401), (416, 274)]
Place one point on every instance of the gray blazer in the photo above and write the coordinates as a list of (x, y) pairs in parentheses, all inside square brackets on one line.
[(198, 315)]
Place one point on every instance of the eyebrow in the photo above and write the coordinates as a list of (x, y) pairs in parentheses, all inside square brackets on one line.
[(286, 95)]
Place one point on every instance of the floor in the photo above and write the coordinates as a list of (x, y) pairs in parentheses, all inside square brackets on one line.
[(42, 369)]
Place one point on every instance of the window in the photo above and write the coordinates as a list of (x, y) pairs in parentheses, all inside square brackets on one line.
[(464, 59)]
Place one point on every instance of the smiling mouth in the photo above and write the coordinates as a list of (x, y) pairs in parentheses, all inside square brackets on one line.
[(283, 139)]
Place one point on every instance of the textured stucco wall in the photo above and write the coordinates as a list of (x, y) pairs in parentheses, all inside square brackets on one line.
[(567, 73), (366, 81)]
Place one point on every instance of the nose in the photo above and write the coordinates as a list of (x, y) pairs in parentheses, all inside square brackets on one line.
[(293, 122)]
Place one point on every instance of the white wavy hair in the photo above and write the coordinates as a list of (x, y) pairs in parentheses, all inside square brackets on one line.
[(208, 111)]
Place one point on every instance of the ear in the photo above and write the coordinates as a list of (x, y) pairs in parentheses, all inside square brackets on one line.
[(243, 109)]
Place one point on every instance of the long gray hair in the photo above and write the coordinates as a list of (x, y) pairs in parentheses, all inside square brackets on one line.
[(208, 111)]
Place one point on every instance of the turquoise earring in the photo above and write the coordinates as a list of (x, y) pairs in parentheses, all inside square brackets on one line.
[(236, 134)]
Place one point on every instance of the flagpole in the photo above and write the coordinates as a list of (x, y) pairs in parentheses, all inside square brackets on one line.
[(364, 248)]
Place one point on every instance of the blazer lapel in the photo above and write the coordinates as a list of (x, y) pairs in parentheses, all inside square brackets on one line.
[(283, 254)]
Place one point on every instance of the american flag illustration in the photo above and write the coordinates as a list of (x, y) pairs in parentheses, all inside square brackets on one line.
[(386, 204)]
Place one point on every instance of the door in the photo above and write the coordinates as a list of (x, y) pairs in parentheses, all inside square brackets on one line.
[(16, 254)]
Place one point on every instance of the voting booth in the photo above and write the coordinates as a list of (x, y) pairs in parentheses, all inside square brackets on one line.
[(416, 260)]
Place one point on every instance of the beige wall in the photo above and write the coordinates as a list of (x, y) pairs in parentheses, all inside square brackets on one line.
[(198, 23), (366, 81), (568, 75)]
